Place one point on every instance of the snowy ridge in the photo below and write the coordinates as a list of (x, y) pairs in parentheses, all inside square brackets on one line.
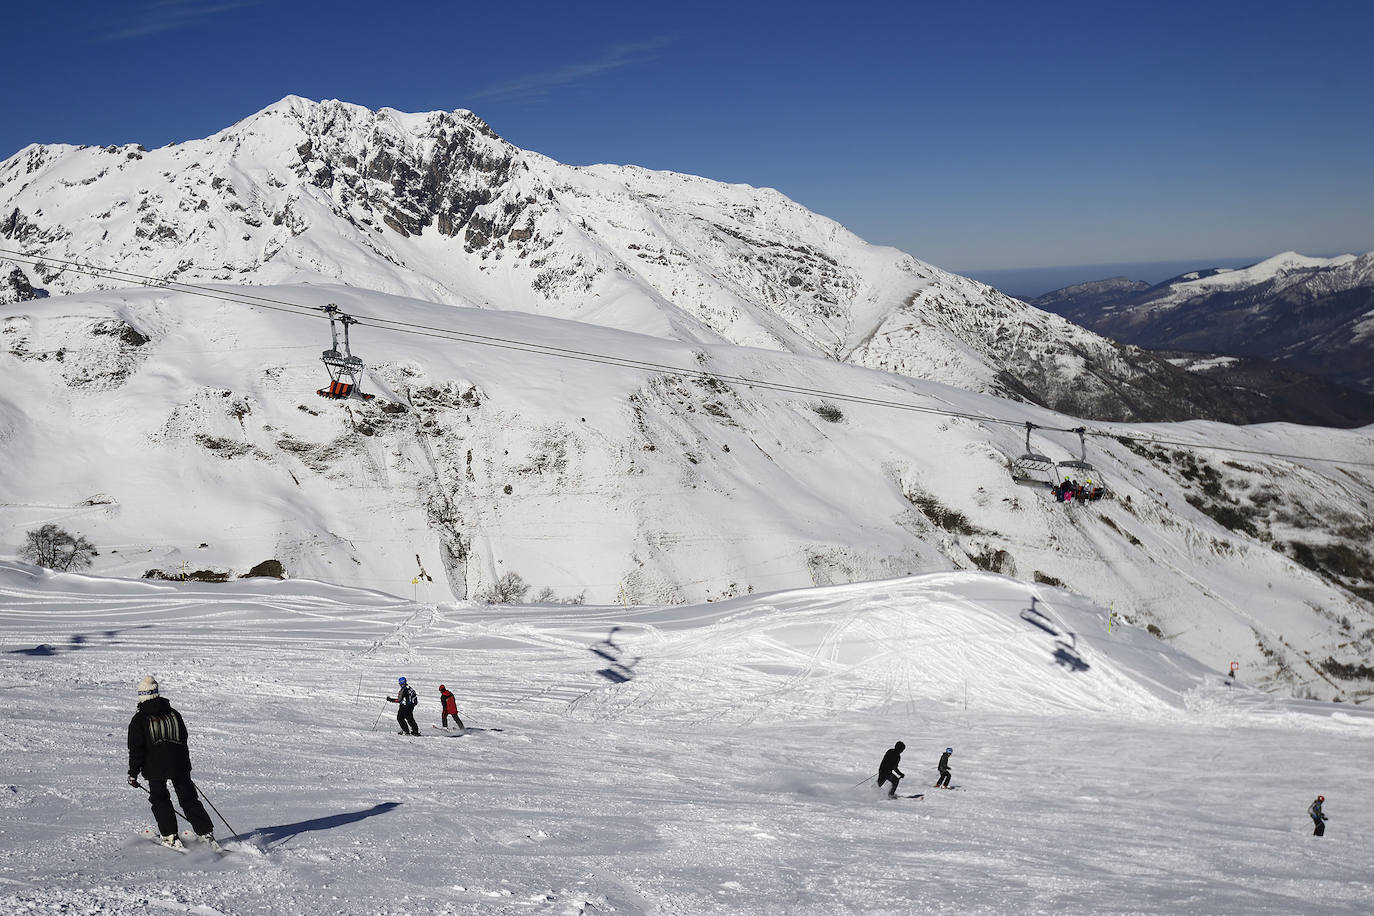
[(805, 654), (1314, 315), (1269, 269)]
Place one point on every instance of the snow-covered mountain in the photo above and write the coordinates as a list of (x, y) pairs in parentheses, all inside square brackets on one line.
[(576, 425), (1311, 314), (438, 207), (182, 434)]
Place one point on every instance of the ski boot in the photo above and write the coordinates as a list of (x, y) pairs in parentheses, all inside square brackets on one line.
[(208, 839)]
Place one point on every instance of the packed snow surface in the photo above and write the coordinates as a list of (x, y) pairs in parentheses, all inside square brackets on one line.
[(692, 759)]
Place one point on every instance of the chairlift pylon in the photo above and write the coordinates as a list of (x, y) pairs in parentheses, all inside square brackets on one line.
[(345, 369)]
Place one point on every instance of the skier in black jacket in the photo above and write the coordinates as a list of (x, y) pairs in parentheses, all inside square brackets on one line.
[(405, 716), (887, 770), (157, 749), (943, 781)]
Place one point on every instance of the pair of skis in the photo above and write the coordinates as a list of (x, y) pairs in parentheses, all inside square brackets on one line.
[(189, 842)]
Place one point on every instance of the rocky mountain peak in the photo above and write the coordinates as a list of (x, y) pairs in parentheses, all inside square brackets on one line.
[(436, 206)]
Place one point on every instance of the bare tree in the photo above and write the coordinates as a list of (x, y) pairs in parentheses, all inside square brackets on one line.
[(54, 548), (508, 589)]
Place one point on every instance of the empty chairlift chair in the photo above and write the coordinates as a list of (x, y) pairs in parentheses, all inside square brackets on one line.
[(1033, 469), (1086, 478), (345, 369)]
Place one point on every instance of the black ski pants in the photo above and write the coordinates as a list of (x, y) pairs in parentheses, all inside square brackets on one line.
[(889, 777), (943, 781), (1320, 829), (190, 805), (456, 721), (406, 717)]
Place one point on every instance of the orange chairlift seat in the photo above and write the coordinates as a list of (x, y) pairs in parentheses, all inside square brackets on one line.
[(345, 369)]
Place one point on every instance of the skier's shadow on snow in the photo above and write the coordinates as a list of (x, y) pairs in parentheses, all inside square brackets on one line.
[(276, 836)]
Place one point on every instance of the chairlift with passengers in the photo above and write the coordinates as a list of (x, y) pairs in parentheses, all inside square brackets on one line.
[(1085, 477), (345, 369), (1032, 468)]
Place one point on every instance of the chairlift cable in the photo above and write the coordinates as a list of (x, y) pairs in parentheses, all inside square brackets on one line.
[(441, 333)]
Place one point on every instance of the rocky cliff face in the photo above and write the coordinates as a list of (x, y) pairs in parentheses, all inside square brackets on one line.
[(437, 206)]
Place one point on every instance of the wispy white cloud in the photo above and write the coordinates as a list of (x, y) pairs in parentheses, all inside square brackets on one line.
[(537, 85), (169, 15)]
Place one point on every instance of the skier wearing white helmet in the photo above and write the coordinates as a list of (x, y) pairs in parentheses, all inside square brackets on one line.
[(157, 749)]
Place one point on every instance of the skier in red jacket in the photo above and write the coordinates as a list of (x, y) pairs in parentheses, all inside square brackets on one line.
[(450, 707)]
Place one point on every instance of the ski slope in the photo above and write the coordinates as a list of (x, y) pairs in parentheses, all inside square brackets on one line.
[(649, 759)]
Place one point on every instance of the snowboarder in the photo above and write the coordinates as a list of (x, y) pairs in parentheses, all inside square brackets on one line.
[(943, 781), (450, 707), (887, 770), (1314, 811), (405, 716), (157, 749)]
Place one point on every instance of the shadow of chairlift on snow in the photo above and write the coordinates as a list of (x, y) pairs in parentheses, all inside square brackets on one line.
[(282, 833), (75, 643), (1066, 654), (1065, 650), (618, 671), (1037, 618)]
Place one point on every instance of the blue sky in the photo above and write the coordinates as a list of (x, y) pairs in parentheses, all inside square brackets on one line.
[(975, 135)]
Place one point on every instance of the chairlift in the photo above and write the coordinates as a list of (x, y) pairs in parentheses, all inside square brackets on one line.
[(1032, 468), (345, 369), (1081, 472)]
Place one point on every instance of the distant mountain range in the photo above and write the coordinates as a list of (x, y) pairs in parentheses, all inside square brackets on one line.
[(1311, 316)]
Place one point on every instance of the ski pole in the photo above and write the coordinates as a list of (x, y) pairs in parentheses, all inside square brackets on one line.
[(232, 831), (376, 720), (869, 779)]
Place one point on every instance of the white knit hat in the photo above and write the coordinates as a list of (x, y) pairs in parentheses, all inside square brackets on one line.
[(147, 688)]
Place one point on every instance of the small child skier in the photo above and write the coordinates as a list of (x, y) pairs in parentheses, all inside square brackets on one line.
[(1314, 811), (405, 716), (450, 707), (943, 781)]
